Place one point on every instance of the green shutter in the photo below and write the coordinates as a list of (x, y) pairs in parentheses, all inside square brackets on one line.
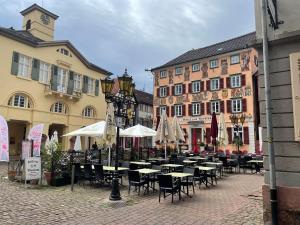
[(85, 84), (35, 69), (97, 88), (15, 63), (54, 78), (70, 83)]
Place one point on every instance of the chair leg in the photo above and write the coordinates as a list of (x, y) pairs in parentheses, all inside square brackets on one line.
[(159, 195), (129, 188), (193, 189), (172, 196), (139, 189)]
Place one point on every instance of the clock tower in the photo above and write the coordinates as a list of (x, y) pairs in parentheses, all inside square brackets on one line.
[(39, 22)]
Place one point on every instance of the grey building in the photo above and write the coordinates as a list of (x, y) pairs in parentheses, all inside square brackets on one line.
[(284, 65)]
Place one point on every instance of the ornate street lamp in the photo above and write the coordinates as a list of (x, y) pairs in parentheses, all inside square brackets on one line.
[(122, 102)]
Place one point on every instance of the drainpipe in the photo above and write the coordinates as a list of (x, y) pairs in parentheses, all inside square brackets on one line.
[(273, 190)]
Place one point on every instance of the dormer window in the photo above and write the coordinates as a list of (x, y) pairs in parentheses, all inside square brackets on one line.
[(64, 51)]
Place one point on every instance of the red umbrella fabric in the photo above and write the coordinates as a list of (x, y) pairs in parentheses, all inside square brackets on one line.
[(214, 129), (195, 146)]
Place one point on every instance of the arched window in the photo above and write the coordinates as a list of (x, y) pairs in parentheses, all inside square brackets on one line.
[(59, 107), (20, 100), (28, 24), (89, 112)]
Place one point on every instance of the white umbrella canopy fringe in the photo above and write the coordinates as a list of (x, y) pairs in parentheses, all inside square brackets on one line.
[(178, 132), (222, 133), (77, 146)]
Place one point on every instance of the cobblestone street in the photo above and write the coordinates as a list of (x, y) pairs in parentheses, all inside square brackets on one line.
[(235, 200)]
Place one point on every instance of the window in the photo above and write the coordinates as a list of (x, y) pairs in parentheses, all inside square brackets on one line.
[(215, 84), (162, 91), (77, 82), (163, 73), (62, 80), (58, 107), (195, 67), (237, 132), (90, 86), (24, 66), (178, 70), (161, 109), (213, 63), (20, 100), (236, 105), (235, 81), (215, 106), (196, 86), (88, 112), (44, 72), (64, 51), (235, 59), (178, 89), (178, 110), (195, 109)]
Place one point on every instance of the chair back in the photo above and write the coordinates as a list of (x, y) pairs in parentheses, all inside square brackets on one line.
[(125, 164), (189, 170), (133, 166), (88, 170), (197, 172), (156, 167), (99, 173), (165, 181), (77, 170), (133, 176)]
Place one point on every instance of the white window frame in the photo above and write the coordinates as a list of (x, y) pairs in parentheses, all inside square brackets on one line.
[(235, 81), (44, 72), (238, 130), (162, 92), (178, 89), (235, 59), (161, 108), (24, 66), (58, 107), (195, 67), (90, 86), (215, 106), (215, 84), (178, 70), (20, 100), (77, 82), (196, 110), (62, 75), (236, 105), (88, 112), (213, 63), (178, 110), (163, 73), (196, 86)]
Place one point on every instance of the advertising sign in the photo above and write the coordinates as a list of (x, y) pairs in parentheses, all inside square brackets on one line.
[(4, 146), (35, 134), (32, 168), (26, 149)]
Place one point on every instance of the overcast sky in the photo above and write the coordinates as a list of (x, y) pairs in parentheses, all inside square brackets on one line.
[(139, 34)]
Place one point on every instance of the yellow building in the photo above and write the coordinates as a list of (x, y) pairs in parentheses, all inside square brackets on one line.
[(46, 81)]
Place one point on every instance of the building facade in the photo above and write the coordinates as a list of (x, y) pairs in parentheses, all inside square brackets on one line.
[(46, 81), (284, 58), (217, 78)]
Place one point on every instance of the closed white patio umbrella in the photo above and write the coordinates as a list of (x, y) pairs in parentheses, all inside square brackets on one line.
[(93, 130), (139, 131), (222, 132), (77, 146), (178, 132)]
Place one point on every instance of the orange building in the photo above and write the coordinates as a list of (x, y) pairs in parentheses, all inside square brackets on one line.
[(218, 78)]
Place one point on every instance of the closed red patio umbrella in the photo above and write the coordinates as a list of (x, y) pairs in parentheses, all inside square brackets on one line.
[(195, 146), (214, 129)]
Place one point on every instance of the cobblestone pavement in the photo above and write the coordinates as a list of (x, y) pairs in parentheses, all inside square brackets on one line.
[(235, 200)]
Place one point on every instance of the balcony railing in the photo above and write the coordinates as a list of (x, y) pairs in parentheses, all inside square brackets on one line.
[(62, 92)]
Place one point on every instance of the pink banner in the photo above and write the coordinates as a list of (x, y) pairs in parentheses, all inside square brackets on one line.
[(35, 134), (4, 146)]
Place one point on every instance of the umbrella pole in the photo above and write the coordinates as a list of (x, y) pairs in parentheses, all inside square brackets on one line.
[(108, 156), (165, 149)]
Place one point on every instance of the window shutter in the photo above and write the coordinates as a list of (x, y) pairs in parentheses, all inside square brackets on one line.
[(157, 119), (183, 110), (207, 135), (208, 108), (172, 111), (35, 69), (157, 111), (229, 132), (85, 84), (228, 85), (208, 85), (168, 110), (15, 63), (183, 88), (70, 83), (168, 91), (190, 88), (202, 108), (243, 79), (173, 90), (222, 106), (157, 92), (202, 86), (246, 135), (54, 78), (221, 83), (244, 104), (190, 109), (97, 87), (228, 103)]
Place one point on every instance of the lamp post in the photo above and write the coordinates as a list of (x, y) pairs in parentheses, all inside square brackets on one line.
[(122, 101), (236, 120)]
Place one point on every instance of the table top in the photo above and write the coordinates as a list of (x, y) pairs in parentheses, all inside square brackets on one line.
[(189, 161), (196, 157), (148, 171), (112, 168), (180, 175), (171, 165), (157, 159), (255, 161), (214, 163), (204, 168), (141, 163)]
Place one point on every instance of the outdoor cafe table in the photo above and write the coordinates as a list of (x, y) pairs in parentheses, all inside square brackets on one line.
[(181, 176), (112, 168), (145, 164), (157, 160), (219, 165), (196, 157), (206, 169), (173, 166), (189, 162), (256, 163), (147, 172)]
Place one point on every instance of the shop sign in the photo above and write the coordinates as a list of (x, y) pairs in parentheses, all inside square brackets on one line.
[(32, 168), (26, 149)]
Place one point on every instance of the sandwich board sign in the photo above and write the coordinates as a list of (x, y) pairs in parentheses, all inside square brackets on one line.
[(32, 168)]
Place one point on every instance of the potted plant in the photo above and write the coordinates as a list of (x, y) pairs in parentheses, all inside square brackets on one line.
[(202, 145), (237, 141)]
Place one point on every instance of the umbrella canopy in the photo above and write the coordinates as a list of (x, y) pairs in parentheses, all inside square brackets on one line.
[(195, 144), (139, 131), (77, 146), (93, 130), (214, 128), (177, 130), (222, 131), (54, 137), (109, 134)]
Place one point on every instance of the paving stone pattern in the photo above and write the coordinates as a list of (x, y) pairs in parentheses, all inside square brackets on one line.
[(235, 200)]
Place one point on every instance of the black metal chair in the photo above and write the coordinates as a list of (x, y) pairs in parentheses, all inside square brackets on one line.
[(135, 180), (199, 177), (100, 176), (226, 166), (78, 173), (88, 173), (188, 181), (166, 185), (133, 166)]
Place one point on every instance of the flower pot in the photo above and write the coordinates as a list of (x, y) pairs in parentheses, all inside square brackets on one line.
[(48, 176)]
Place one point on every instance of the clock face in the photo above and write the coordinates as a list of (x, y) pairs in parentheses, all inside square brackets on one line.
[(45, 19)]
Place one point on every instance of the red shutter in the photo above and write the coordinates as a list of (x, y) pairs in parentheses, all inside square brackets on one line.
[(173, 90), (208, 108), (202, 86), (244, 104), (157, 92), (202, 108), (228, 103), (221, 83), (246, 135), (168, 110), (172, 111), (190, 87), (157, 112), (222, 106), (228, 85), (183, 89), (190, 109), (157, 123), (208, 85), (207, 135), (183, 110), (229, 132), (243, 79), (168, 91)]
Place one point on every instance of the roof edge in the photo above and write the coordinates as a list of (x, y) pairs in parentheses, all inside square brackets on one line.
[(36, 6)]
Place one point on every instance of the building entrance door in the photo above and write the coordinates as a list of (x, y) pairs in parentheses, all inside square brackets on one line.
[(17, 133), (196, 139), (60, 128)]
